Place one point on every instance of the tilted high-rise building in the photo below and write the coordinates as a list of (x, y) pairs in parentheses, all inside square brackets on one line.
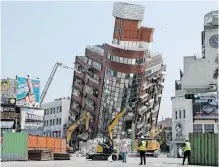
[(125, 73)]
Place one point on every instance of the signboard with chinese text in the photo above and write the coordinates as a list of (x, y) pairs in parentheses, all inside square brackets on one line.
[(9, 115)]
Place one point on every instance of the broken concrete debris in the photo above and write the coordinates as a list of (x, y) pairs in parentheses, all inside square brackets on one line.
[(90, 146)]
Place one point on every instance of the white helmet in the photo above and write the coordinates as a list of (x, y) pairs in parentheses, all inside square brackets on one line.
[(142, 137)]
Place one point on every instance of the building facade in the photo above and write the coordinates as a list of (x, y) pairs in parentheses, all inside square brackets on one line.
[(200, 76), (111, 77), (56, 117)]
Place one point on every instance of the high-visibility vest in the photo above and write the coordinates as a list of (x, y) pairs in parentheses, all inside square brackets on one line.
[(143, 146), (187, 146)]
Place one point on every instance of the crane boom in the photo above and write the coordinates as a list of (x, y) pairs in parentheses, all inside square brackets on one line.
[(50, 80)]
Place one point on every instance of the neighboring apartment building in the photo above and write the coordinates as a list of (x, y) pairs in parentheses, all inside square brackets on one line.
[(200, 76), (56, 117), (125, 73), (167, 122)]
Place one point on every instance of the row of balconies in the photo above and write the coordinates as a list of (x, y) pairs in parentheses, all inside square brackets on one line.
[(87, 70), (158, 82), (142, 130), (91, 91), (89, 105)]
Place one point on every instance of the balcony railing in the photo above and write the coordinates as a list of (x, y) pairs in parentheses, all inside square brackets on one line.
[(148, 115), (153, 54), (144, 96), (140, 125), (142, 110), (163, 73), (151, 103), (79, 86), (79, 74), (153, 111), (145, 86)]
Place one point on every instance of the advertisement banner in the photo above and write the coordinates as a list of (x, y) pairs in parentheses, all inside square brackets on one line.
[(205, 108), (8, 92), (28, 92), (31, 118)]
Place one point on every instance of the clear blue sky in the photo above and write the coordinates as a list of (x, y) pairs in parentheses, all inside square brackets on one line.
[(35, 35)]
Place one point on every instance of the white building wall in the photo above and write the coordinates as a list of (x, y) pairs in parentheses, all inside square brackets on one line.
[(197, 78), (180, 104), (63, 115), (201, 70), (146, 45)]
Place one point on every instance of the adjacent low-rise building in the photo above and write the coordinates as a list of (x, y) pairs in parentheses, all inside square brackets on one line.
[(56, 117)]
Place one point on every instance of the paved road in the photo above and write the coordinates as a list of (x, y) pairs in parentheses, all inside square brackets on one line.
[(82, 162)]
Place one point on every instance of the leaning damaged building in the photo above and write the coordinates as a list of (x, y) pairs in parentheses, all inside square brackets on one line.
[(111, 76)]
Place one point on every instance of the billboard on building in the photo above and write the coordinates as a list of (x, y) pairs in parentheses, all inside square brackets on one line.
[(8, 92), (28, 92), (31, 119), (205, 108)]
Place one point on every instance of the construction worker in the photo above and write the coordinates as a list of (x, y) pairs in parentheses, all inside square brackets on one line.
[(124, 150), (142, 149), (187, 151)]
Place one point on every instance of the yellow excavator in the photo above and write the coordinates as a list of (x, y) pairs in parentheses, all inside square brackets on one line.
[(152, 144), (104, 150), (71, 128)]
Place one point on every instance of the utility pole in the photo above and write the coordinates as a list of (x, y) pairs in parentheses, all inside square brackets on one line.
[(133, 137)]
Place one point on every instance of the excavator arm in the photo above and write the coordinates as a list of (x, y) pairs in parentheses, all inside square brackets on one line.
[(114, 122), (72, 127)]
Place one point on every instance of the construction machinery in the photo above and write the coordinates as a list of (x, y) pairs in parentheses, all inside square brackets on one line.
[(153, 146), (48, 83), (71, 128), (105, 150)]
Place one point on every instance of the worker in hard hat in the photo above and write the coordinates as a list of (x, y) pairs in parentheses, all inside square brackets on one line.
[(187, 151), (142, 148)]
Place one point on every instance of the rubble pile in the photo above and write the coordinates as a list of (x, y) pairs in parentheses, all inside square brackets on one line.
[(91, 145)]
